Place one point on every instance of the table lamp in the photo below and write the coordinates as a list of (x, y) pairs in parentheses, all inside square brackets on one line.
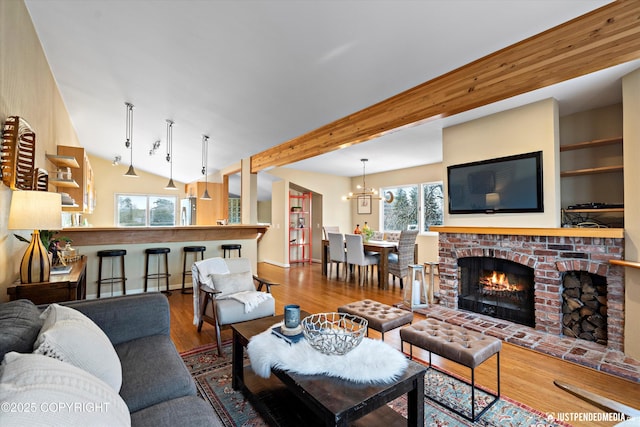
[(35, 210)]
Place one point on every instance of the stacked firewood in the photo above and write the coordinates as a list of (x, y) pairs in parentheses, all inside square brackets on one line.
[(584, 307)]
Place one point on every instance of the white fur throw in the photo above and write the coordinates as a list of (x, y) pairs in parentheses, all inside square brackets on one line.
[(370, 362)]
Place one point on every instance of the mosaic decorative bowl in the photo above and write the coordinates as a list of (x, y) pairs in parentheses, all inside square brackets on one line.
[(334, 333)]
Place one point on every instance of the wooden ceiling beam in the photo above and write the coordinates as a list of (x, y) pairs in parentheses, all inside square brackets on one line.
[(600, 39)]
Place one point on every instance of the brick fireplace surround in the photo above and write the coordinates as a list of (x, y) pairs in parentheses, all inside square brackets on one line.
[(551, 253)]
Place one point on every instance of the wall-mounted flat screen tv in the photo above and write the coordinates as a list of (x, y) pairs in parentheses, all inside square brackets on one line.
[(505, 184)]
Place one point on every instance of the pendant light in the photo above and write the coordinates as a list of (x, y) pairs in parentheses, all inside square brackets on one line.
[(363, 190), (129, 138), (170, 185), (205, 155)]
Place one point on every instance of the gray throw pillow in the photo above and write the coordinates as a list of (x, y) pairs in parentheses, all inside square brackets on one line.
[(231, 283), (20, 324)]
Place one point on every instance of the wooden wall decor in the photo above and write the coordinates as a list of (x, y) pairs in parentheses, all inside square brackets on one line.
[(17, 156), (603, 38), (40, 180)]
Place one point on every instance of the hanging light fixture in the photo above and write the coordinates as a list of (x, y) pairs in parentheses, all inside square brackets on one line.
[(205, 155), (129, 138), (363, 190), (170, 185)]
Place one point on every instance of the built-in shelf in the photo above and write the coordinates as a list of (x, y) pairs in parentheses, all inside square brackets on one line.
[(66, 183), (591, 171), (608, 210), (63, 161), (591, 144)]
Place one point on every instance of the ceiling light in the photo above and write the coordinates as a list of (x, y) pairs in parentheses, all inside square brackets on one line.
[(116, 161), (205, 155), (129, 138), (363, 190), (154, 148), (170, 185)]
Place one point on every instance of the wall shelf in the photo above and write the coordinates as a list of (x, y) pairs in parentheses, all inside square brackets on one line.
[(63, 161), (66, 183), (591, 144), (591, 171)]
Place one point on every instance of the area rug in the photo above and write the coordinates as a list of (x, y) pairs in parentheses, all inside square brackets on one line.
[(212, 375)]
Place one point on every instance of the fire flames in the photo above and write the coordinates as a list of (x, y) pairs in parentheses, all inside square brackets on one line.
[(498, 282)]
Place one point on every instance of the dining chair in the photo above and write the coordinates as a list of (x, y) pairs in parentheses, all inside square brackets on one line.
[(337, 253), (330, 229), (399, 261), (357, 256)]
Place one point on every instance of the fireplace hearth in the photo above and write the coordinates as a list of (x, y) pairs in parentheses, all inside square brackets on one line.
[(497, 288), (552, 257)]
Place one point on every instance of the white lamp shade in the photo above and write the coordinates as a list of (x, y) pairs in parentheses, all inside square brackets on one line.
[(35, 210)]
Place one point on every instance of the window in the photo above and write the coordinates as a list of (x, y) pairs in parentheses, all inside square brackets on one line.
[(403, 212), (234, 210), (135, 210)]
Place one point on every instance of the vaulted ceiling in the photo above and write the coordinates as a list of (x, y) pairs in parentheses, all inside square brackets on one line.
[(253, 74)]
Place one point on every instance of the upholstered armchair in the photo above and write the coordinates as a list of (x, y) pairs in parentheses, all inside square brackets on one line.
[(225, 291)]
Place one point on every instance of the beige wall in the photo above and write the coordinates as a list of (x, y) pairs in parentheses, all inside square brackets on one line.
[(631, 101), (110, 180), (27, 89), (273, 246), (529, 128)]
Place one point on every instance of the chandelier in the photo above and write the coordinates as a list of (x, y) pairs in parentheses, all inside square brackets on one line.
[(363, 190)]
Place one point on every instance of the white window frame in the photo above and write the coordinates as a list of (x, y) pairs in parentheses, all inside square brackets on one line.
[(147, 208), (421, 204)]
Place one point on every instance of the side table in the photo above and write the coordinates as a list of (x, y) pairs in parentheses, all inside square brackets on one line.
[(60, 287)]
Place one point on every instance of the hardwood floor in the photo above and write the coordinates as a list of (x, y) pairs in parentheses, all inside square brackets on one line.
[(526, 376)]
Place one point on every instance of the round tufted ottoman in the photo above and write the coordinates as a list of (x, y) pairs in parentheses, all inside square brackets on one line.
[(381, 317), (458, 344)]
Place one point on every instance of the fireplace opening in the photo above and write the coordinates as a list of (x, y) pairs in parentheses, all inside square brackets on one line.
[(584, 306), (496, 287)]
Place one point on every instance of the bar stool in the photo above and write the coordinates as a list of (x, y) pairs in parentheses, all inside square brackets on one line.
[(157, 275), (190, 250), (111, 253), (231, 247)]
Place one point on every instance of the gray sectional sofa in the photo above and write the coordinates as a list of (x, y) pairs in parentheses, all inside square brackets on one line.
[(156, 385)]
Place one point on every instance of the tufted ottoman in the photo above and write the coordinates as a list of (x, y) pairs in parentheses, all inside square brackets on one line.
[(459, 345), (381, 317)]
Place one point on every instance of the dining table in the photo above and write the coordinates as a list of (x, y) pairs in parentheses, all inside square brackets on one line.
[(383, 247)]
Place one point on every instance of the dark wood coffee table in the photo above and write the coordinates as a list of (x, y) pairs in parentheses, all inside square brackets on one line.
[(289, 399)]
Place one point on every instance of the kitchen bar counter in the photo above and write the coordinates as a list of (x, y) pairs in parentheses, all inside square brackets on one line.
[(88, 236), (135, 240)]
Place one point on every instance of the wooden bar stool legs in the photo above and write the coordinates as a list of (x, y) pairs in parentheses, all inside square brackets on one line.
[(157, 275), (185, 251)]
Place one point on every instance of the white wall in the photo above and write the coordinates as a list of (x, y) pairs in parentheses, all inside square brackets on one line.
[(533, 127)]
